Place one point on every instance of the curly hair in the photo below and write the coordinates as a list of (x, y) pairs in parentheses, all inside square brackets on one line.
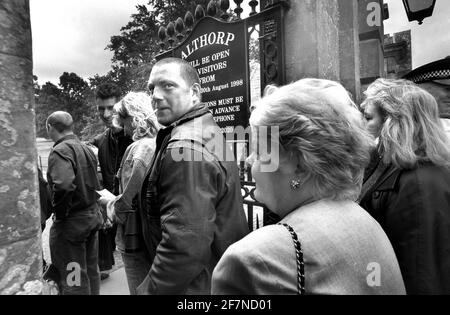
[(412, 131), (137, 105), (319, 124), (108, 90)]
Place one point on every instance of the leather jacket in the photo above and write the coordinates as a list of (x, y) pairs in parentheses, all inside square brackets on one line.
[(193, 209), (413, 207)]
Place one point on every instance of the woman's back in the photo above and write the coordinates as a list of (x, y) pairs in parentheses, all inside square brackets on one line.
[(345, 252)]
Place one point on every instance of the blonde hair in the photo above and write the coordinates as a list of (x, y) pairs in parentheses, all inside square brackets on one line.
[(138, 106), (319, 123), (412, 131)]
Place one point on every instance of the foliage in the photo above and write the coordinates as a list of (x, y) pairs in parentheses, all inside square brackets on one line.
[(134, 51)]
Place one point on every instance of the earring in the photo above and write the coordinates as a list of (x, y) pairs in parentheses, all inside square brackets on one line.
[(295, 184)]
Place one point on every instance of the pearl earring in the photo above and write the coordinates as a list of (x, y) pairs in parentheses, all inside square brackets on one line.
[(295, 184)]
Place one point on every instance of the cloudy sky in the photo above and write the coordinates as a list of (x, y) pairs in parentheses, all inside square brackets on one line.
[(431, 40), (71, 35)]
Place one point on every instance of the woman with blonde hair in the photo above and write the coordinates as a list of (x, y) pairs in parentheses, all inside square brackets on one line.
[(311, 176), (135, 115), (408, 189)]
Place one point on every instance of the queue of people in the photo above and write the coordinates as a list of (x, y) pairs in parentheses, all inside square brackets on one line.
[(363, 195)]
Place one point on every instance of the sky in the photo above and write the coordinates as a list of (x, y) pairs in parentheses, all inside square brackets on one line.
[(71, 35), (431, 40)]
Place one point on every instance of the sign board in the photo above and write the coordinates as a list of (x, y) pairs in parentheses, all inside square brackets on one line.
[(218, 50)]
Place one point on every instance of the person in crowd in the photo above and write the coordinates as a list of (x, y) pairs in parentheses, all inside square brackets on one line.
[(72, 177), (325, 242), (111, 145), (435, 79), (192, 188), (408, 191), (136, 117)]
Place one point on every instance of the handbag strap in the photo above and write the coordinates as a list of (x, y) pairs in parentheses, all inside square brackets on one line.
[(299, 257)]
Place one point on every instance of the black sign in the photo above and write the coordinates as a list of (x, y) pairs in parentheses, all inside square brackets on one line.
[(218, 51)]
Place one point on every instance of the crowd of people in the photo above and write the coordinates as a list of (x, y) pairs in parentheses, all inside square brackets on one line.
[(363, 192)]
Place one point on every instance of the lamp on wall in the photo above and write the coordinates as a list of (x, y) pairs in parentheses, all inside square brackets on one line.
[(418, 10)]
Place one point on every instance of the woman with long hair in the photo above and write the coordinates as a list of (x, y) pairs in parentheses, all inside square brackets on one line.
[(135, 115), (408, 188)]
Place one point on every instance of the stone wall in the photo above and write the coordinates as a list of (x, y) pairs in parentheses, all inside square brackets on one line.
[(20, 239)]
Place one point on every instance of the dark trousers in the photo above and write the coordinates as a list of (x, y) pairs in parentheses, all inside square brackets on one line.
[(137, 266), (74, 252)]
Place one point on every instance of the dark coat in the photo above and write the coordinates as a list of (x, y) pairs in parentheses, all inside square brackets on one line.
[(413, 207), (72, 177), (111, 148), (195, 205)]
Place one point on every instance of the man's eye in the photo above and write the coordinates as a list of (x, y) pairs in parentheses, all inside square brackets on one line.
[(168, 85)]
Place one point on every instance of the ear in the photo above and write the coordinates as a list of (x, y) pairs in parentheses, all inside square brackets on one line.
[(196, 93)]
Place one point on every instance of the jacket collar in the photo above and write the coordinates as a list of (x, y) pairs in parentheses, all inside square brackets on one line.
[(68, 137), (389, 179), (198, 110)]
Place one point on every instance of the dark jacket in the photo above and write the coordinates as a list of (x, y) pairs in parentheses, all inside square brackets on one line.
[(111, 148), (413, 207), (195, 194), (72, 176)]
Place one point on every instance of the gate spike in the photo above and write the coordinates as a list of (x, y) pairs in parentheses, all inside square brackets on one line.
[(199, 12), (253, 4), (170, 33), (179, 27), (224, 6), (188, 21), (211, 10), (238, 9)]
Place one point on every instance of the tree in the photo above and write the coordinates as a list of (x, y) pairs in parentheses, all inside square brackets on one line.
[(48, 99), (134, 50)]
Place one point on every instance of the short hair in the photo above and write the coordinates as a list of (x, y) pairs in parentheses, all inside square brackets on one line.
[(412, 131), (188, 72), (320, 124), (138, 106), (61, 121), (108, 90)]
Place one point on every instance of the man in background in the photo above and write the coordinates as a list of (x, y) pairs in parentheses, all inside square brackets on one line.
[(72, 177), (111, 145)]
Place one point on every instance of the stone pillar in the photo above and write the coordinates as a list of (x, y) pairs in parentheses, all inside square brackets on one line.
[(371, 35), (20, 236), (312, 40), (349, 47)]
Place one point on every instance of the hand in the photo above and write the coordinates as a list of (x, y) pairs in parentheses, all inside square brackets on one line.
[(103, 201)]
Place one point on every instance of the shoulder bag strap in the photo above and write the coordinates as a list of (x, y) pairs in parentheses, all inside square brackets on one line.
[(300, 262)]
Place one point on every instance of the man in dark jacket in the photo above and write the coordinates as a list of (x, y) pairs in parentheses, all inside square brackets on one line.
[(111, 145), (72, 177), (193, 190)]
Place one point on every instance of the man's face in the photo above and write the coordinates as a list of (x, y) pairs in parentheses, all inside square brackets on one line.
[(105, 109), (172, 96)]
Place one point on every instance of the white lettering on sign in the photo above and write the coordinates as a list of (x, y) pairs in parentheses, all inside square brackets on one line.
[(208, 79), (213, 38), (213, 67)]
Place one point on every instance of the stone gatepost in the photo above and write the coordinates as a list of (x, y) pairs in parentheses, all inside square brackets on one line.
[(349, 51), (20, 236), (312, 40)]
